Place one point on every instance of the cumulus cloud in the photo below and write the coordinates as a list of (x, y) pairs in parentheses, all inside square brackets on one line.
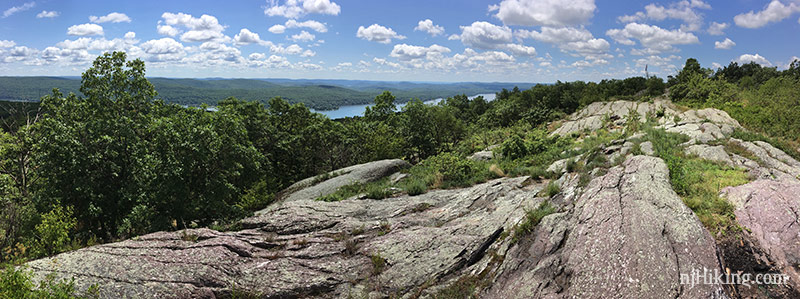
[(484, 35), (113, 17), (725, 45), (85, 30), (717, 28), (303, 36), (576, 41), (168, 30), (290, 50), (15, 9), (406, 52), (682, 10), (246, 37), (203, 29), (296, 8), (378, 33), (310, 24), (520, 50), (428, 26), (557, 35), (277, 29), (7, 43), (775, 11), (544, 12), (47, 14), (655, 39), (747, 58), (164, 49)]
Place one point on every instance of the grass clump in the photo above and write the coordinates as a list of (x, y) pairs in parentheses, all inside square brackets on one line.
[(374, 190), (698, 181), (552, 189), (703, 181), (532, 219)]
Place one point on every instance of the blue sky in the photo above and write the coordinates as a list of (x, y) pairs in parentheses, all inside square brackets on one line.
[(449, 40)]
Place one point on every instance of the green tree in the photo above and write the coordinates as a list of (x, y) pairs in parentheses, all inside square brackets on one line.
[(92, 153), (383, 109)]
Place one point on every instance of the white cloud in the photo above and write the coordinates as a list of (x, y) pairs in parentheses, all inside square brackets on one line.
[(308, 53), (164, 49), (408, 52), (428, 26), (556, 35), (130, 35), (168, 30), (310, 24), (303, 36), (382, 61), (716, 66), (655, 39), (257, 56), (47, 14), (655, 60), (85, 30), (290, 50), (378, 33), (578, 41), (682, 10), (544, 12), (296, 8), (747, 58), (246, 37), (484, 35), (521, 50), (203, 29), (15, 9), (113, 17), (725, 45), (586, 63), (277, 29), (717, 28), (775, 11), (7, 43)]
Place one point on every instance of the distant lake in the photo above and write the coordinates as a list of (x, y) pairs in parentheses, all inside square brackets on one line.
[(358, 110)]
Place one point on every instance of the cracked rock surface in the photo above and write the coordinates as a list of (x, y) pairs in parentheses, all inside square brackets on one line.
[(629, 235)]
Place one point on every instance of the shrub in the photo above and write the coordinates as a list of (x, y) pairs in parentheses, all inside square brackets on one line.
[(53, 233), (415, 186), (378, 191), (17, 283), (514, 148)]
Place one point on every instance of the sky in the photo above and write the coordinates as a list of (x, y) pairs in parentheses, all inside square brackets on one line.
[(409, 40)]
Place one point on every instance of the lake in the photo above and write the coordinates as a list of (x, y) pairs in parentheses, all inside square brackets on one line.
[(358, 110)]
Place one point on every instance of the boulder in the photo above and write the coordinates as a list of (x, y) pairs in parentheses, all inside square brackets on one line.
[(711, 153), (314, 187), (647, 148), (628, 235), (482, 156)]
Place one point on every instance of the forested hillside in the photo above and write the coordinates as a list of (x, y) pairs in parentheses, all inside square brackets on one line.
[(114, 161), (315, 94)]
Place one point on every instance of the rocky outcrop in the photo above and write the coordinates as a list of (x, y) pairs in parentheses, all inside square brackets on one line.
[(629, 235), (711, 153), (314, 187), (309, 248), (770, 210)]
